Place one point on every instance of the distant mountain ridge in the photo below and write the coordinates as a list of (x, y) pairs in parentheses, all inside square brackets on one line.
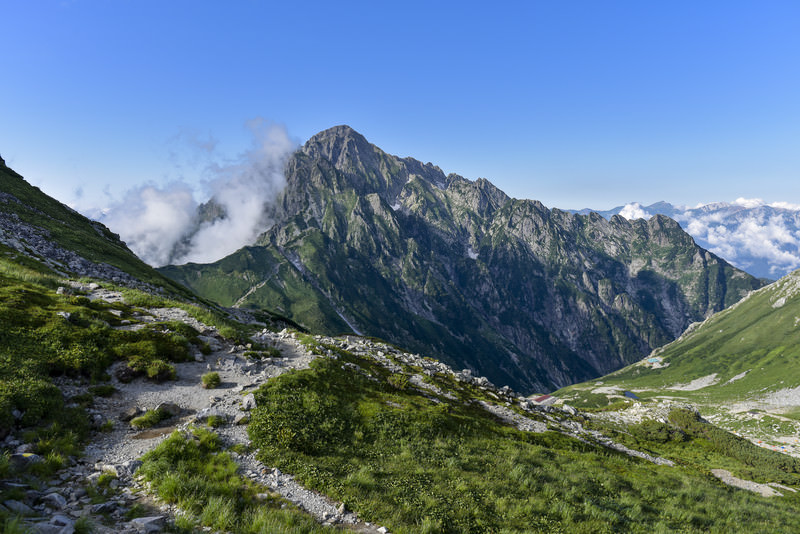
[(762, 239), (530, 297), (47, 231), (739, 367)]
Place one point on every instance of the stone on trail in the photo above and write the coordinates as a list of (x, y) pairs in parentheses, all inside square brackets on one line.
[(248, 402), (148, 525), (55, 500), (20, 461)]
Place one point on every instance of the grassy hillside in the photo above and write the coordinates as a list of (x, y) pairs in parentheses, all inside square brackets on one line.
[(264, 276), (430, 459), (67, 229), (741, 366)]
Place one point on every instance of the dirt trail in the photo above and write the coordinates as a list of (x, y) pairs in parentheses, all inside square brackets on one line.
[(120, 449)]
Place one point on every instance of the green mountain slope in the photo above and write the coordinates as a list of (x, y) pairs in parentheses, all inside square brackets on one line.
[(46, 230), (741, 367), (530, 297)]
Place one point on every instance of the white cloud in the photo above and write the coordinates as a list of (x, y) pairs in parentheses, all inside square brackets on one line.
[(153, 219), (243, 188), (748, 202), (634, 210), (785, 206), (755, 236)]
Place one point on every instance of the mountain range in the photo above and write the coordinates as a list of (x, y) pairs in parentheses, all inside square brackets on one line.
[(533, 298), (124, 397), (762, 239)]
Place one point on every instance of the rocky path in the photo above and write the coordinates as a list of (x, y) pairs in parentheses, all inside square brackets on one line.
[(118, 451)]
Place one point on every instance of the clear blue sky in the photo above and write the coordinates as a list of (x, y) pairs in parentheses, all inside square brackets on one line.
[(575, 103)]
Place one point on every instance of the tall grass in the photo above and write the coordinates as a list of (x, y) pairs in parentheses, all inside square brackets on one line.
[(195, 473), (399, 459)]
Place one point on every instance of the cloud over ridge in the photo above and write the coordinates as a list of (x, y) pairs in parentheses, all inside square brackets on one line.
[(162, 223)]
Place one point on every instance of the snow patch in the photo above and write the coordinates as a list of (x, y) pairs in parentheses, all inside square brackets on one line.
[(697, 383), (608, 390), (472, 254), (341, 315), (737, 377)]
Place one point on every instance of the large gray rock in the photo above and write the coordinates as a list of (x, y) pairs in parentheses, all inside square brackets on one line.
[(55, 501), (18, 507), (21, 461), (130, 413), (248, 402)]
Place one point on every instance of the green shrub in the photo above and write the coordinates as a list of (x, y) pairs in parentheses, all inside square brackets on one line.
[(266, 352), (215, 421), (83, 525), (653, 431), (211, 380), (105, 478), (149, 419), (398, 380), (193, 472), (84, 399)]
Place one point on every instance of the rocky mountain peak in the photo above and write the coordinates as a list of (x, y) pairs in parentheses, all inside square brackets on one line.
[(342, 146)]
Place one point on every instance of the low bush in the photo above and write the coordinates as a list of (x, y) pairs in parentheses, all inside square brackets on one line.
[(211, 380), (215, 421), (149, 419)]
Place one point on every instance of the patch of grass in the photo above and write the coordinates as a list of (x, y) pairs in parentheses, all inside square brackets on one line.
[(215, 421), (265, 352), (105, 478), (149, 419), (108, 426), (83, 525), (211, 380), (398, 380), (13, 525), (137, 510), (192, 471), (83, 400)]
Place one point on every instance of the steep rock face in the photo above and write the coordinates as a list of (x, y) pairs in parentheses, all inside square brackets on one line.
[(530, 297)]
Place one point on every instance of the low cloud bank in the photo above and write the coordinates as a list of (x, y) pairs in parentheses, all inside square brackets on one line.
[(161, 224)]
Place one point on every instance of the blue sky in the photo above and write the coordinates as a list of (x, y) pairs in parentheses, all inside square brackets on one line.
[(577, 104)]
